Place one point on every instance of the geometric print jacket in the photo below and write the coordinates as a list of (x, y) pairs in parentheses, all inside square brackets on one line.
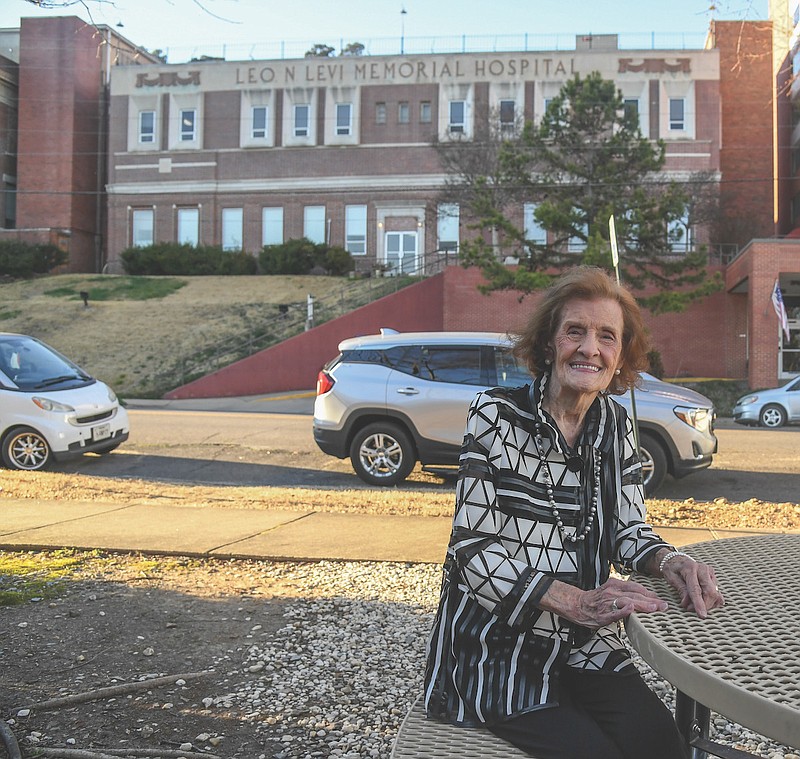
[(492, 652)]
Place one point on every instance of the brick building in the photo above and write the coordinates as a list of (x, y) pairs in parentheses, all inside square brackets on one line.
[(247, 153), (244, 154), (54, 133)]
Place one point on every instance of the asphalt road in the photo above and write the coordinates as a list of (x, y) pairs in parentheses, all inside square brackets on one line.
[(277, 449)]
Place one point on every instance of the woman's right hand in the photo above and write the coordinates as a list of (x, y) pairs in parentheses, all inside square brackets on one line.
[(612, 601)]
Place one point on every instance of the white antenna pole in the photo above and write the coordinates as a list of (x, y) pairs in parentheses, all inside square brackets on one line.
[(612, 236)]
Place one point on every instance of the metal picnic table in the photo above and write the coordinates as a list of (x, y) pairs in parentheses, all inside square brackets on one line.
[(743, 661)]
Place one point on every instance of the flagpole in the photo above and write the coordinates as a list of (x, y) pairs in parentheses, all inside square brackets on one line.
[(612, 234)]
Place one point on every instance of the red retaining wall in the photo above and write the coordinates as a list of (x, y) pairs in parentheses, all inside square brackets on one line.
[(702, 341), (295, 363)]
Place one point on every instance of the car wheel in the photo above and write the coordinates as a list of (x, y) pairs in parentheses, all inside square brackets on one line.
[(772, 416), (654, 462), (25, 448), (382, 454)]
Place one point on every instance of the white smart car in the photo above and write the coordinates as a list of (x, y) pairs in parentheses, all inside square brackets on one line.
[(50, 409)]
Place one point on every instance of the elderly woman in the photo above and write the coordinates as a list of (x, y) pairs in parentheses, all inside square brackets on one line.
[(526, 639)]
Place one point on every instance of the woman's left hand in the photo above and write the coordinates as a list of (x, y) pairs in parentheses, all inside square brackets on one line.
[(696, 583)]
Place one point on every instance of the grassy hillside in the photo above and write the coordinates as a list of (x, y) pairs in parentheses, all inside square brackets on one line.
[(144, 335), (139, 334)]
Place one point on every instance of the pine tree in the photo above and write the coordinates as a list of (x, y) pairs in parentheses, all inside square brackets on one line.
[(586, 160)]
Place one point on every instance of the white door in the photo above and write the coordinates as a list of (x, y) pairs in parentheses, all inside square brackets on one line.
[(401, 252)]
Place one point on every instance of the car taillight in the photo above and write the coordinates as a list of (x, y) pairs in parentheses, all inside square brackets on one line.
[(324, 383)]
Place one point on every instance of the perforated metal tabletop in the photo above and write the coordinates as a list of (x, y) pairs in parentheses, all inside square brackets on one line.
[(743, 661)]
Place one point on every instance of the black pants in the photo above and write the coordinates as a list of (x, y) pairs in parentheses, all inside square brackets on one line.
[(599, 716)]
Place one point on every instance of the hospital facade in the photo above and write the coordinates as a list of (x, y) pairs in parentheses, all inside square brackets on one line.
[(244, 154)]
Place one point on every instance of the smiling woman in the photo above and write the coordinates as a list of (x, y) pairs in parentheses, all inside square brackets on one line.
[(549, 496)]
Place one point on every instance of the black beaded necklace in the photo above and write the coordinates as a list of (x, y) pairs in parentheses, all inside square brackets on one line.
[(548, 481)]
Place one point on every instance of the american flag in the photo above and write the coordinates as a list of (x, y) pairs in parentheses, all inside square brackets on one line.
[(780, 309)]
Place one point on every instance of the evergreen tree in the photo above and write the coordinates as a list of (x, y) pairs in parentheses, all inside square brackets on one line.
[(585, 161)]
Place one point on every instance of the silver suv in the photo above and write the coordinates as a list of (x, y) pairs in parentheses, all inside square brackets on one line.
[(390, 400)]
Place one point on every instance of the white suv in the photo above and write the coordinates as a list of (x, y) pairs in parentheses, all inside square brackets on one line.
[(390, 400), (50, 408)]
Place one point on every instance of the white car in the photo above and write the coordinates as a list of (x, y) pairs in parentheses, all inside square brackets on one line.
[(50, 409), (390, 400)]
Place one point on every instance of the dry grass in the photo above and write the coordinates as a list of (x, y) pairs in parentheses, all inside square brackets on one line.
[(127, 343)]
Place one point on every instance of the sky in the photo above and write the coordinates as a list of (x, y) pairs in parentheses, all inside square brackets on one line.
[(256, 28)]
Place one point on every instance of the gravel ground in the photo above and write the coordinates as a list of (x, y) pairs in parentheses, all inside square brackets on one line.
[(318, 659), (307, 660)]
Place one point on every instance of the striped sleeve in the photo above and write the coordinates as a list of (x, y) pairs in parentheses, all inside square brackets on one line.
[(508, 588)]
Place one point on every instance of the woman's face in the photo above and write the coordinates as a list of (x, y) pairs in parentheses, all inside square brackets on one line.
[(586, 347)]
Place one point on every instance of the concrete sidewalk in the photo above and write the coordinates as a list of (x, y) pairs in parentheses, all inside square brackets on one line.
[(243, 533)]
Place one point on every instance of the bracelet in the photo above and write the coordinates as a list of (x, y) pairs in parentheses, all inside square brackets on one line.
[(671, 555)]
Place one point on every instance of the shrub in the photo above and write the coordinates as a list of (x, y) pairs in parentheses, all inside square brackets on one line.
[(23, 260), (188, 260), (337, 261), (300, 256), (656, 365), (290, 257), (237, 262)]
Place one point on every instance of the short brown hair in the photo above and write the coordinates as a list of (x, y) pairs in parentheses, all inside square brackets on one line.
[(584, 283)]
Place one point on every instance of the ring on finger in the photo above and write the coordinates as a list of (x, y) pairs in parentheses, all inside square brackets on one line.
[(614, 605)]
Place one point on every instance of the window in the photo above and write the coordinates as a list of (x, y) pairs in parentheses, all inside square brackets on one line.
[(272, 226), (189, 226), (142, 232), (577, 244), (380, 113), (188, 124), (344, 118), (509, 372), (425, 112), (355, 218), (447, 227), (458, 113), (442, 364), (534, 232), (796, 209), (10, 208), (147, 126), (259, 122), (630, 110), (676, 114), (231, 228), (507, 115), (679, 235), (314, 223), (403, 113), (302, 119)]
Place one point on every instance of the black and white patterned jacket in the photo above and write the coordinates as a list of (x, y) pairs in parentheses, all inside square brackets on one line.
[(493, 652)]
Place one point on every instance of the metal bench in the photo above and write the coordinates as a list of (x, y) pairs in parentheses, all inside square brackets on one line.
[(423, 738)]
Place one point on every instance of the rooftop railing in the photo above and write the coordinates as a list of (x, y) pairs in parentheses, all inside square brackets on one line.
[(465, 43)]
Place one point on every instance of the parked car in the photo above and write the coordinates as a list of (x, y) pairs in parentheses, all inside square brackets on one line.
[(390, 400), (50, 409), (770, 408)]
